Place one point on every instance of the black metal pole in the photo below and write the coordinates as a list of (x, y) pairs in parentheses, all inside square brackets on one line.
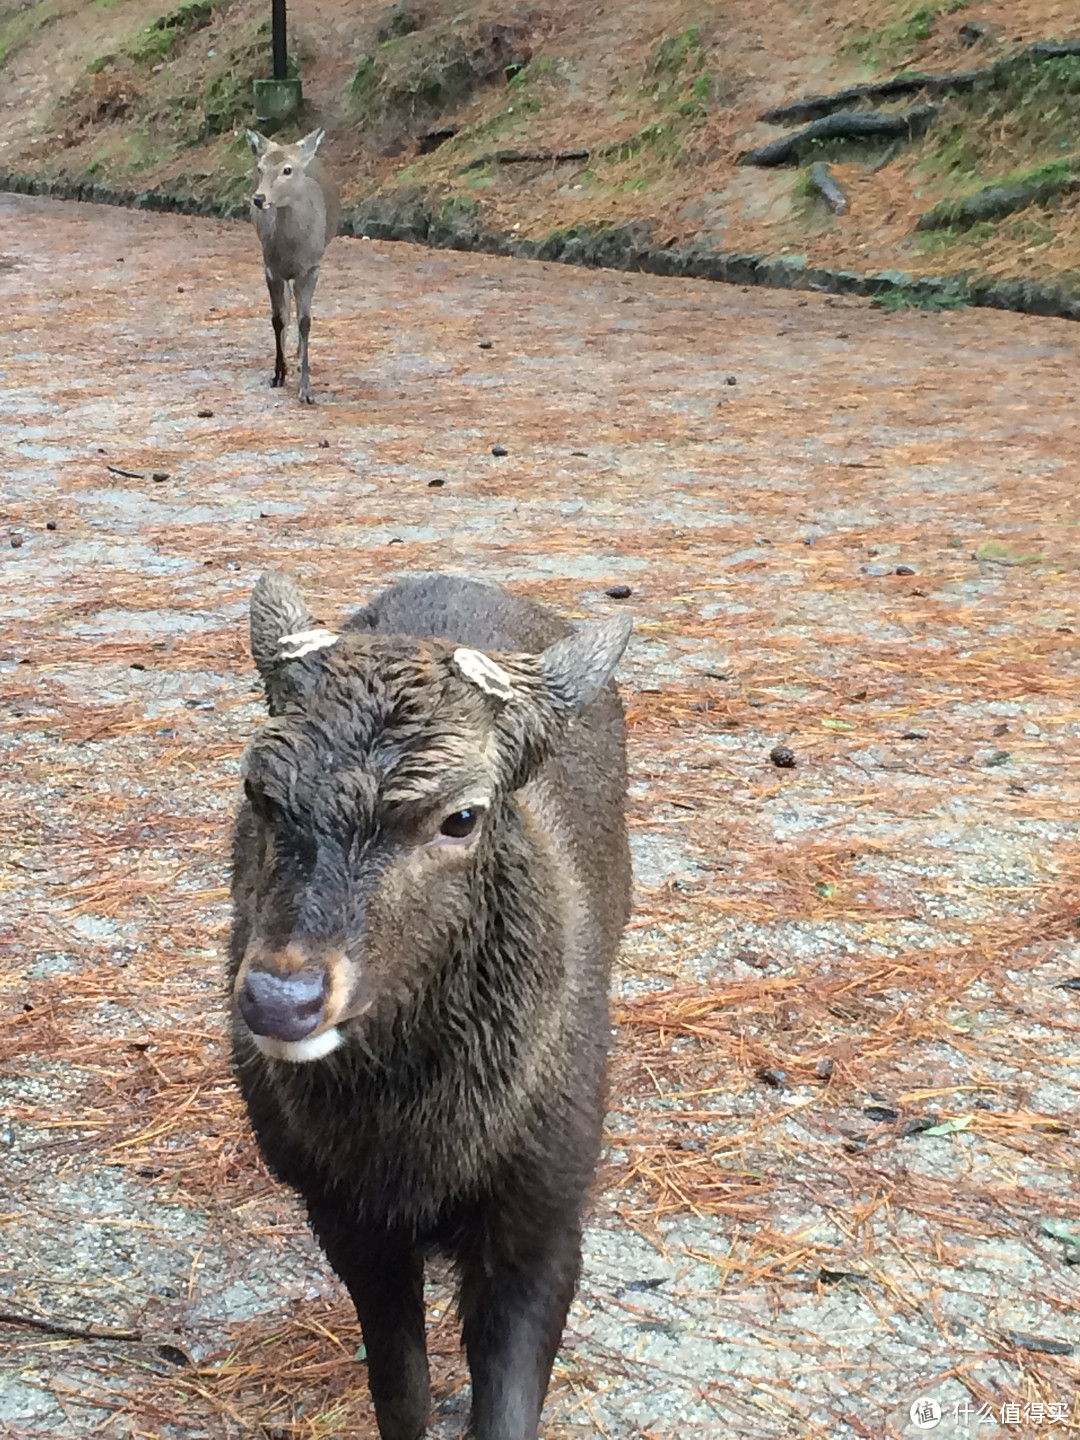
[(281, 62)]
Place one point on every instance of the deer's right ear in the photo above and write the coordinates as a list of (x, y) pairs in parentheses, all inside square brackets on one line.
[(257, 142)]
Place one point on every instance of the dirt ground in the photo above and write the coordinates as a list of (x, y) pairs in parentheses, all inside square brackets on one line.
[(842, 1170)]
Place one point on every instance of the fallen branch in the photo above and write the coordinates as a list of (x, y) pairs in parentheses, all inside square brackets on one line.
[(831, 192), (844, 125), (127, 474), (817, 106), (68, 1329)]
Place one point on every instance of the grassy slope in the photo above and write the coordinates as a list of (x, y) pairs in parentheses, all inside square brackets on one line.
[(663, 92)]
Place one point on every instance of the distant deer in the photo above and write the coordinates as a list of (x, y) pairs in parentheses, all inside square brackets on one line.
[(296, 212)]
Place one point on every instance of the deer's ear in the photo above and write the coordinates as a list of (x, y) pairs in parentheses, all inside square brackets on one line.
[(309, 145), (259, 143), (576, 667)]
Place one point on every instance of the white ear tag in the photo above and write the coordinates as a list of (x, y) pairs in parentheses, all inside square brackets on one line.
[(482, 672), (295, 647)]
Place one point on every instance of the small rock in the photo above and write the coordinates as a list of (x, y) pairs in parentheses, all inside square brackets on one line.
[(324, 444), (775, 1078), (499, 450), (753, 959), (824, 1068), (205, 414), (881, 1113), (50, 524), (485, 344), (16, 541), (619, 592), (731, 380), (904, 570), (783, 757), (1001, 729), (915, 735), (180, 289), (160, 476), (436, 484), (998, 757), (579, 452)]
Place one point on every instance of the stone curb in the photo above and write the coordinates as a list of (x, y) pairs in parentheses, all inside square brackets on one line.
[(410, 216)]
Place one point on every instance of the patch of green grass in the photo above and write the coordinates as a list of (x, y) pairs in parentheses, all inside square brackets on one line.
[(675, 76), (885, 47), (1001, 554), (641, 182), (909, 297), (674, 50), (932, 241), (1031, 111), (663, 139), (154, 44), (19, 26), (418, 75)]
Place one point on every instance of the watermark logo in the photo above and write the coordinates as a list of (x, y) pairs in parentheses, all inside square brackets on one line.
[(925, 1414)]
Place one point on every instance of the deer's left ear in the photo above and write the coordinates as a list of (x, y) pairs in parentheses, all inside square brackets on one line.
[(309, 145)]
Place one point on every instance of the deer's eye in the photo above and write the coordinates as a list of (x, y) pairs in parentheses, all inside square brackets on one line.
[(460, 825), (286, 170)]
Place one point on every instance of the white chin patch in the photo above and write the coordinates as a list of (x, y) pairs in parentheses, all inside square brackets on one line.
[(300, 1051)]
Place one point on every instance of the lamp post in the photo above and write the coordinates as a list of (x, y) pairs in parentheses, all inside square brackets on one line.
[(277, 23), (277, 100)]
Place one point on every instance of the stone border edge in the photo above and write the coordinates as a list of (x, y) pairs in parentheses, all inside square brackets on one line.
[(404, 217)]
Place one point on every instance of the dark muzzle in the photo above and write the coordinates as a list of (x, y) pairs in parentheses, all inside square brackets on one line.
[(258, 201), (283, 1007)]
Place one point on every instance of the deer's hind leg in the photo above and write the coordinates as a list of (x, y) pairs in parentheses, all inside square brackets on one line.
[(304, 285)]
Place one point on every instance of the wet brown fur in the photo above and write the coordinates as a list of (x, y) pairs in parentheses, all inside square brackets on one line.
[(462, 1114)]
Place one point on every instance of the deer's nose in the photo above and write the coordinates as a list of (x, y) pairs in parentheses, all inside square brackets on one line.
[(284, 1007), (258, 201)]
